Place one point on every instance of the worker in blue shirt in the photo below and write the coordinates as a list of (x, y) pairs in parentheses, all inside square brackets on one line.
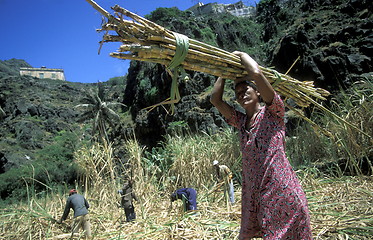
[(188, 196)]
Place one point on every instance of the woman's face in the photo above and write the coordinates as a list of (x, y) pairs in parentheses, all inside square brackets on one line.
[(246, 95)]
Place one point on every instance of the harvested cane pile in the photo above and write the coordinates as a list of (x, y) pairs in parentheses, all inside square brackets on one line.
[(144, 40)]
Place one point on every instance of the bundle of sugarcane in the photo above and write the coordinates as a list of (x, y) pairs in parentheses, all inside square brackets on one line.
[(144, 40)]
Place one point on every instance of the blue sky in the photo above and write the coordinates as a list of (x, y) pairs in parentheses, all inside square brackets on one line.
[(62, 34)]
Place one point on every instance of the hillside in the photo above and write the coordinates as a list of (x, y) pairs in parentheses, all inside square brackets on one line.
[(36, 111)]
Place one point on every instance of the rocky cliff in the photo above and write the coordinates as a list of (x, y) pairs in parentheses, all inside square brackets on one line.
[(35, 111)]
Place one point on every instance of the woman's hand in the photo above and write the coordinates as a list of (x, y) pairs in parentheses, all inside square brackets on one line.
[(255, 74), (252, 67)]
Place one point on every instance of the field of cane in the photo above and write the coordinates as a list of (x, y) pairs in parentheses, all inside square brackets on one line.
[(340, 196), (341, 208)]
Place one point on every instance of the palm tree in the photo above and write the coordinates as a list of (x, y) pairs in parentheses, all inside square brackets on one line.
[(100, 112)]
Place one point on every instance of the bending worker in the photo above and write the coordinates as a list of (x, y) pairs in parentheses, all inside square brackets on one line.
[(224, 175), (188, 196), (80, 206)]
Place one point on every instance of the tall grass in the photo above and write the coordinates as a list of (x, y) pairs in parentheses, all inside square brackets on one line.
[(97, 177), (193, 156), (349, 150), (340, 208)]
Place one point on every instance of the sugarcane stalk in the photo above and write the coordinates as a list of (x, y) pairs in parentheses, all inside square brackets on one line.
[(99, 8)]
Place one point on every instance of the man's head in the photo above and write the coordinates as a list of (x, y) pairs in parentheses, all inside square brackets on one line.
[(72, 191), (215, 163)]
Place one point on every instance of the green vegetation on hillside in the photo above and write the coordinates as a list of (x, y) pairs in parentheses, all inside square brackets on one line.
[(53, 165)]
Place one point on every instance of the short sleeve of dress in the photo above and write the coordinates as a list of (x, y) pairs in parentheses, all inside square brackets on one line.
[(237, 119), (277, 106)]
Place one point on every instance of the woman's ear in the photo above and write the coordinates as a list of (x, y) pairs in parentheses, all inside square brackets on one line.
[(259, 96)]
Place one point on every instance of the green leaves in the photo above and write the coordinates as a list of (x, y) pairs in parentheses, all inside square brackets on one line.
[(99, 112)]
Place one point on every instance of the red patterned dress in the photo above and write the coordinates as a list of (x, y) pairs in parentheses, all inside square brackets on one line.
[(274, 205)]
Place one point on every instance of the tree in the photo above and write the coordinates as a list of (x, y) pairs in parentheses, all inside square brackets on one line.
[(101, 112)]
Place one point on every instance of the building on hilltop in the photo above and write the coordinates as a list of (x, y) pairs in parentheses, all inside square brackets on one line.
[(238, 9), (43, 72)]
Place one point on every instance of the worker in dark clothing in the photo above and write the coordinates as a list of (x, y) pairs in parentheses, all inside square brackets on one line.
[(127, 197), (80, 206), (188, 196)]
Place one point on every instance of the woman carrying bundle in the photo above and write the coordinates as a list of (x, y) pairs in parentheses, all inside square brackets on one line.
[(274, 206)]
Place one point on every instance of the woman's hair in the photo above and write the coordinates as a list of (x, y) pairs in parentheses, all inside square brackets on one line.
[(248, 83)]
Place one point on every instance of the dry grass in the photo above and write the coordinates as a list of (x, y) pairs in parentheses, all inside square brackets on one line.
[(193, 156), (340, 208)]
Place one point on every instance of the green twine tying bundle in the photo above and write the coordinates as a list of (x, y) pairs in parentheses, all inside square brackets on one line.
[(182, 47), (174, 69), (278, 80)]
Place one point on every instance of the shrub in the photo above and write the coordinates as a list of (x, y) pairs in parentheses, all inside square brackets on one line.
[(115, 81), (53, 165)]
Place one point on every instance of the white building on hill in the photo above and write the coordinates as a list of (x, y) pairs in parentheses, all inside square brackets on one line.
[(43, 72), (238, 9)]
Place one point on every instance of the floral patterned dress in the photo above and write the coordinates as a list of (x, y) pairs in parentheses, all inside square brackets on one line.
[(274, 205)]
